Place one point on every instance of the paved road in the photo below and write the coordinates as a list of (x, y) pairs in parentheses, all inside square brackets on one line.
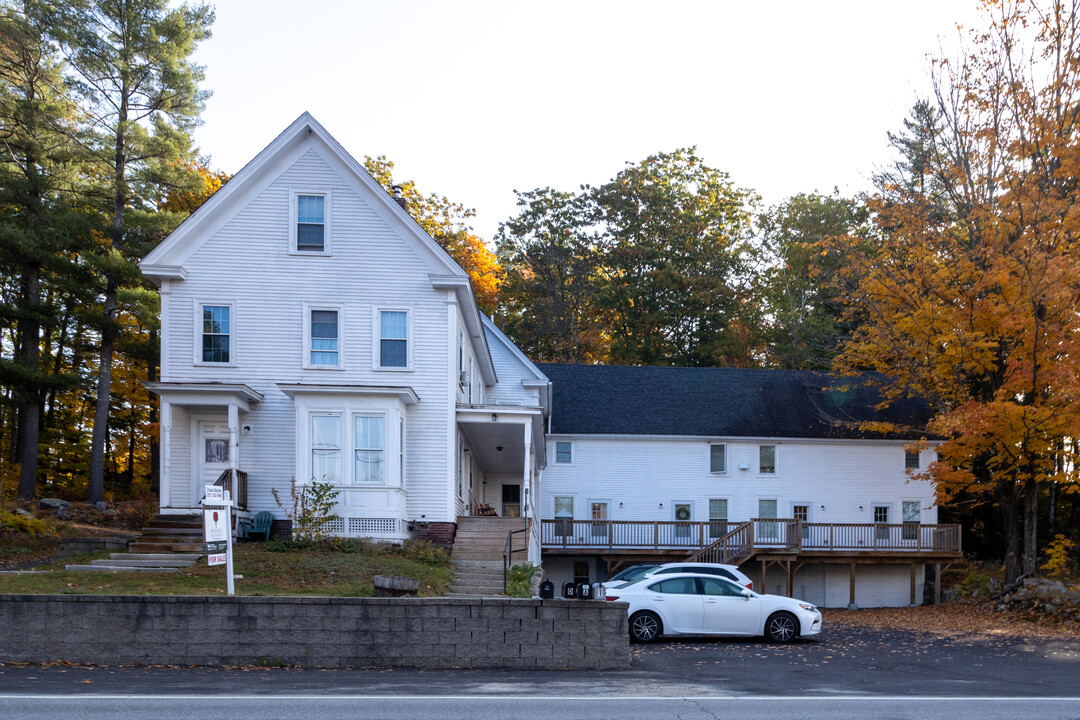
[(845, 673)]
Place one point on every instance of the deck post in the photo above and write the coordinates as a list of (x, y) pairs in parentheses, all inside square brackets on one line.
[(851, 595), (764, 566), (790, 580), (937, 583), (913, 574)]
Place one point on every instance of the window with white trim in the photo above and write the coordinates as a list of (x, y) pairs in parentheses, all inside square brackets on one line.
[(326, 447), (309, 231), (393, 339), (718, 515), (216, 333), (323, 331), (767, 459), (717, 458), (369, 449), (911, 460), (564, 452)]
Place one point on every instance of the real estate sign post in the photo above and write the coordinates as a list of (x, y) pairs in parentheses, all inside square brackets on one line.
[(217, 530)]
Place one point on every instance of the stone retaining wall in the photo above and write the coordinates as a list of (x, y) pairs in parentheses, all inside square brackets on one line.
[(315, 632)]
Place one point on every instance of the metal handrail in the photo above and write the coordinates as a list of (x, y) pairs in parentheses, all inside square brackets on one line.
[(507, 552)]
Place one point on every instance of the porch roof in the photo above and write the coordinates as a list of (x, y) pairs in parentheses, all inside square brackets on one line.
[(206, 393)]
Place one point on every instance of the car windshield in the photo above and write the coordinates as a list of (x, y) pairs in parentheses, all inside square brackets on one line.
[(631, 574)]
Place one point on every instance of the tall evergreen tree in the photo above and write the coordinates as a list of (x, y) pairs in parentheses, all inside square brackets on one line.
[(38, 228), (134, 73)]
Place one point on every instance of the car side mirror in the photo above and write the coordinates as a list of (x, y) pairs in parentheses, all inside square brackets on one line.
[(746, 593)]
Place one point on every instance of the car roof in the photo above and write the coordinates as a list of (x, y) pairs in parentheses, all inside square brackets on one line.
[(673, 576)]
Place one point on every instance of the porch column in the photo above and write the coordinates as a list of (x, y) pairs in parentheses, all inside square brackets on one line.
[(851, 600), (526, 481), (234, 439), (165, 461)]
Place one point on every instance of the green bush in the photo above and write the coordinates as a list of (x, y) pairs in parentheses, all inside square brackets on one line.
[(11, 522), (519, 580)]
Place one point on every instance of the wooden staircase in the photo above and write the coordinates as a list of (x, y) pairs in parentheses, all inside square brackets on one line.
[(734, 548), (171, 534), (478, 554)]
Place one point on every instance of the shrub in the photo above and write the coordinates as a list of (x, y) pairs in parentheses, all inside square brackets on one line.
[(519, 580), (425, 552), (311, 509), (25, 525), (1058, 563)]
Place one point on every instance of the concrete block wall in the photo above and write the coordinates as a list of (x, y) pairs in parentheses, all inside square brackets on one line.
[(505, 633)]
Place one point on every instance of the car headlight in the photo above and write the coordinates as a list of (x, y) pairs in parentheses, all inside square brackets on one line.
[(808, 607)]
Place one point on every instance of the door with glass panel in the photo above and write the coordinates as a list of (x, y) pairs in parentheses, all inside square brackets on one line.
[(564, 515), (768, 529)]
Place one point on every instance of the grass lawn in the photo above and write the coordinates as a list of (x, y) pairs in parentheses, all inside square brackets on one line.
[(346, 572)]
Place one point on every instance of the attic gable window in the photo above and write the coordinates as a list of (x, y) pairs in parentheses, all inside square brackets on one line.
[(310, 227)]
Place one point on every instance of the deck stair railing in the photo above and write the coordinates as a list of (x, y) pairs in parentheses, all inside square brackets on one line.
[(236, 485), (731, 549)]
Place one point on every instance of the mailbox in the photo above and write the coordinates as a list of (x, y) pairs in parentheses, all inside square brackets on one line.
[(569, 590), (584, 591), (547, 590)]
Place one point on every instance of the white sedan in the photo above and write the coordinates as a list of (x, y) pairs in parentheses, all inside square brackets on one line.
[(688, 604)]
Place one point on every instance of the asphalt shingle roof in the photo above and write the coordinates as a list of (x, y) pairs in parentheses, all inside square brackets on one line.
[(719, 402)]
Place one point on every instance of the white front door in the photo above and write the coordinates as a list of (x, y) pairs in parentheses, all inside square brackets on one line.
[(211, 455)]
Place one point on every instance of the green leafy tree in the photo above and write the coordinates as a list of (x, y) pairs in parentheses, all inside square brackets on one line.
[(550, 297), (133, 71), (798, 285), (677, 265)]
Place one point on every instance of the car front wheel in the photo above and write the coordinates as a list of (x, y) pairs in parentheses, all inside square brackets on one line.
[(645, 627), (781, 628)]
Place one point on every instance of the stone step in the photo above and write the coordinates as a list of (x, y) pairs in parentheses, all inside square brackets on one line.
[(473, 565), (123, 562), (475, 590), (178, 523), (160, 547), (119, 568), (156, 556), (169, 531)]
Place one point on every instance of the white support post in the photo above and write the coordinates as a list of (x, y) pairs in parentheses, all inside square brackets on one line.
[(527, 470), (234, 438), (165, 461), (228, 538)]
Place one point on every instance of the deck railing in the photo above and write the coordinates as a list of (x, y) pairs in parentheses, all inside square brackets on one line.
[(757, 534)]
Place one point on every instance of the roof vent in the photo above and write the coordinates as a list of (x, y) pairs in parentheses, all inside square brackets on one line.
[(399, 197)]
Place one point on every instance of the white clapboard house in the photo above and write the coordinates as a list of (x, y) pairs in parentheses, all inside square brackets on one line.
[(776, 471), (310, 329)]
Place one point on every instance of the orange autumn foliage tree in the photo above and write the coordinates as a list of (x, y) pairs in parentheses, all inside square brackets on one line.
[(447, 223), (970, 293)]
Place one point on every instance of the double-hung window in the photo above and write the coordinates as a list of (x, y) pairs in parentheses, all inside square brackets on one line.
[(326, 447), (323, 338), (564, 452), (393, 339), (216, 330), (369, 449), (767, 459), (911, 460), (310, 222), (717, 458)]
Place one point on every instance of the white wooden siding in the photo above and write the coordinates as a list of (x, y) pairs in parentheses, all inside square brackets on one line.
[(834, 477), (510, 370), (248, 262)]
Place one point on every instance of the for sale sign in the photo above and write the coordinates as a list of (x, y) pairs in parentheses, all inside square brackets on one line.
[(215, 525), (216, 559)]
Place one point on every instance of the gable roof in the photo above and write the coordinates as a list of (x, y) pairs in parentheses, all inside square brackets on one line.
[(166, 261), (721, 403)]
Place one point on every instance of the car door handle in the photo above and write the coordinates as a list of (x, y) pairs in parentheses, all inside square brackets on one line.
[(711, 602)]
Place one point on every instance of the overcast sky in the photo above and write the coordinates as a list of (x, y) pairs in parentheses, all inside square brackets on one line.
[(476, 99)]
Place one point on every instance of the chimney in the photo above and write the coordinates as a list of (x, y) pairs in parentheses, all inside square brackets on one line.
[(399, 197)]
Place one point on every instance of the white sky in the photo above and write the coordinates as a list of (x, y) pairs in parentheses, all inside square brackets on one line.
[(475, 99)]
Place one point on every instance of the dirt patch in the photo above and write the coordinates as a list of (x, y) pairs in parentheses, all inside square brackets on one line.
[(957, 619)]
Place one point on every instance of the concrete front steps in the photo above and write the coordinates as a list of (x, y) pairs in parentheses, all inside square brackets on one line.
[(171, 534), (139, 562), (478, 554)]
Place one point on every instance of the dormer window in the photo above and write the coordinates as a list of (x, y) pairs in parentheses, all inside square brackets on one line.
[(310, 229)]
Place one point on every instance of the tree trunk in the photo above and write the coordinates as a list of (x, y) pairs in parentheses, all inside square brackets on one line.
[(1007, 500), (95, 491), (1031, 523), (28, 398)]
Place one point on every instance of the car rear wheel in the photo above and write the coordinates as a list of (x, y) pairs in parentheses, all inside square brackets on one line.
[(782, 628), (645, 627)]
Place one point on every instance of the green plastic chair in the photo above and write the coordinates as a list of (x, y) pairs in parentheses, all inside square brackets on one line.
[(258, 525)]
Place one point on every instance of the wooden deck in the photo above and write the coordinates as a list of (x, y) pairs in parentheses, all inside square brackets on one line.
[(736, 542)]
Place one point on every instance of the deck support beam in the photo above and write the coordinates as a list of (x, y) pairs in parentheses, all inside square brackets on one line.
[(851, 594)]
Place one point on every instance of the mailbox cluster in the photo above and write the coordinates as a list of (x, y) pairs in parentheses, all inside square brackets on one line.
[(572, 591)]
